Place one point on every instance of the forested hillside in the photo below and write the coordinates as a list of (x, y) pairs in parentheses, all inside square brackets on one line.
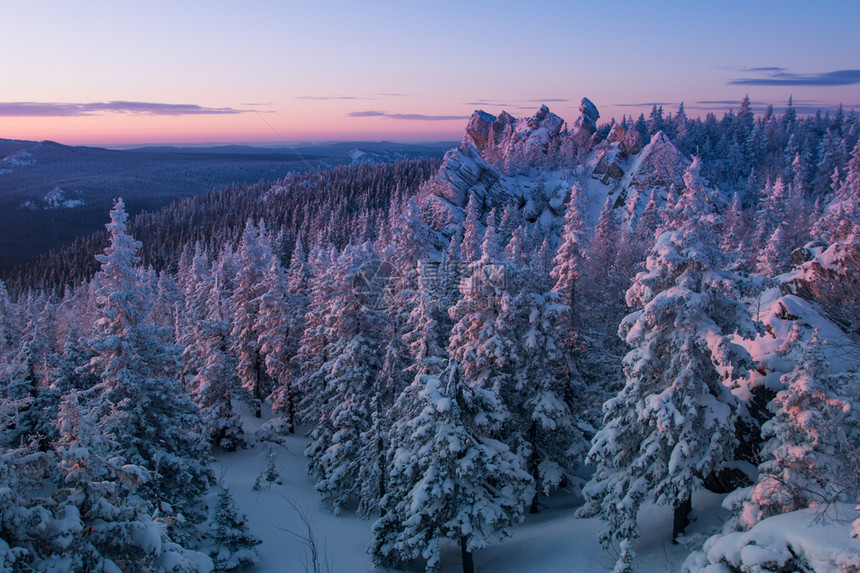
[(625, 314)]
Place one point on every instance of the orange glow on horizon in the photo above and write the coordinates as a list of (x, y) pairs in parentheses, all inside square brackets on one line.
[(123, 129)]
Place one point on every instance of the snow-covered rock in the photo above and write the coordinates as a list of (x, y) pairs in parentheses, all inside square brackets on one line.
[(588, 115), (530, 162), (21, 158), (806, 540), (56, 199)]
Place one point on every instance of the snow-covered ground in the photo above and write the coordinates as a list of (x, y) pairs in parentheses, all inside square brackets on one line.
[(552, 541)]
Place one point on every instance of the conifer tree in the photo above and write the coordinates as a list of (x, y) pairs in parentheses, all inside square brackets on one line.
[(342, 380), (673, 422), (214, 381), (448, 477), (568, 267), (543, 428), (809, 456), (470, 249), (253, 256), (136, 403), (233, 546), (278, 343)]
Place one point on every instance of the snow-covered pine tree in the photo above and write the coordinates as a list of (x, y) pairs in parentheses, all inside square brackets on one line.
[(232, 545), (136, 403), (423, 332), (841, 217), (477, 342), (473, 232), (773, 259), (736, 241), (542, 429), (315, 336), (102, 524), (391, 380), (253, 258), (811, 452), (674, 420), (448, 478), (214, 381), (568, 266), (770, 211), (343, 383), (276, 327), (9, 327), (18, 394)]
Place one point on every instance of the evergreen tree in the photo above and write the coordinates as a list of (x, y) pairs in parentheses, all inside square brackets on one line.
[(276, 326), (809, 456), (253, 256), (233, 546), (448, 477), (773, 260), (109, 528), (543, 427), (470, 250), (673, 422), (214, 381), (136, 404), (343, 382)]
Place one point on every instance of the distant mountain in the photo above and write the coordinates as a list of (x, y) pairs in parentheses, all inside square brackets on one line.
[(305, 150), (52, 193)]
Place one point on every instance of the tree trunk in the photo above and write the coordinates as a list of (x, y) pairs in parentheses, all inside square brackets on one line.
[(681, 518), (292, 411), (533, 508), (258, 396), (468, 564)]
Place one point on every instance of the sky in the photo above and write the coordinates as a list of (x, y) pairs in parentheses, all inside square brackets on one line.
[(119, 73)]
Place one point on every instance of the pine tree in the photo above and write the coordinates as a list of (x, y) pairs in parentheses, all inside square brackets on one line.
[(673, 422), (542, 427), (233, 546), (340, 381), (478, 341), (773, 260), (276, 326), (8, 322), (136, 403), (253, 257), (448, 477), (470, 250), (808, 455), (214, 381)]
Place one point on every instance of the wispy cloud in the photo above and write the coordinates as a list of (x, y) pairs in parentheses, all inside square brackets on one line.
[(728, 102), (405, 116), (366, 113), (646, 104), (483, 102), (42, 109), (330, 98), (774, 76), (546, 100), (764, 69)]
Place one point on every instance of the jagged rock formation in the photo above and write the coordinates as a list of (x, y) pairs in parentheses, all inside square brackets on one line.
[(532, 163), (588, 116)]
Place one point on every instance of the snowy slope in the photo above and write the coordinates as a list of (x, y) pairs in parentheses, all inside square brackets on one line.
[(550, 542)]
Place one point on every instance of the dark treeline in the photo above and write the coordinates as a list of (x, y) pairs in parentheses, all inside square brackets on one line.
[(327, 206)]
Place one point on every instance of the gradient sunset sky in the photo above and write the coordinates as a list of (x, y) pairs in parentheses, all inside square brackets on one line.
[(113, 73)]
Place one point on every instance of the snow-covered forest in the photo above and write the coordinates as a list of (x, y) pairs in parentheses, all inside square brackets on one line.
[(620, 315)]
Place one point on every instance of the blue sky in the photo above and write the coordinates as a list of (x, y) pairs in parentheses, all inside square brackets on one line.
[(119, 72)]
